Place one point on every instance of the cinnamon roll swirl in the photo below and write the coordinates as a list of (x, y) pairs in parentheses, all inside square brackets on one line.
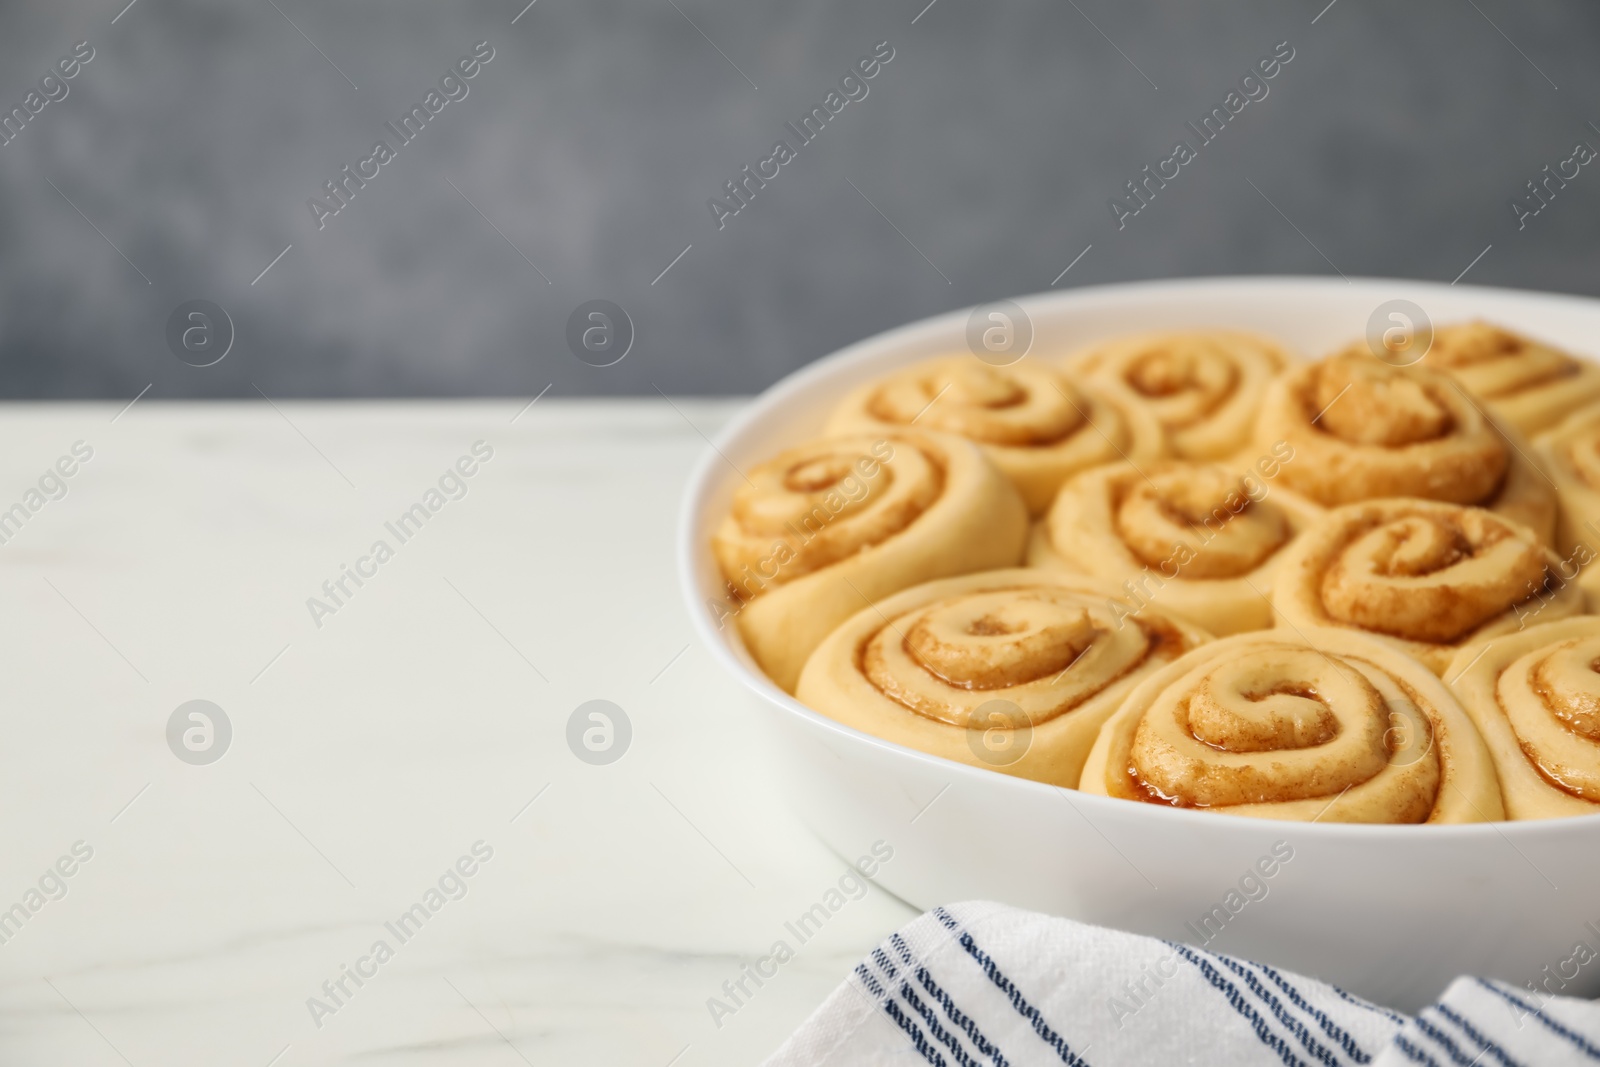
[(821, 531), (1202, 386), (1200, 540), (1425, 577), (1363, 429), (1571, 455), (1525, 383), (1535, 696), (1033, 423), (1012, 670), (1307, 725)]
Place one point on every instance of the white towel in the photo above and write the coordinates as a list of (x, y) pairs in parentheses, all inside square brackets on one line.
[(982, 984)]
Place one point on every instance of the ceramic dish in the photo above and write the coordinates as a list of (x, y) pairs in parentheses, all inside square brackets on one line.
[(1389, 912)]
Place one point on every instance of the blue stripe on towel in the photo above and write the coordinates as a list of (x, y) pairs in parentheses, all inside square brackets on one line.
[(1329, 1027), (1413, 1053), (1446, 1042), (920, 1043), (1018, 1001), (940, 1034), (1290, 1023), (1577, 1039), (869, 981), (1226, 988), (1392, 1016), (914, 1002), (967, 1025), (892, 1010), (1471, 1031)]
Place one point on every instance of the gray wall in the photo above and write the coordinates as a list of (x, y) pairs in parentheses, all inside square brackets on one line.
[(1395, 140)]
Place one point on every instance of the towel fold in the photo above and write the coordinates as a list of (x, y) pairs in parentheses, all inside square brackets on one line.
[(983, 984)]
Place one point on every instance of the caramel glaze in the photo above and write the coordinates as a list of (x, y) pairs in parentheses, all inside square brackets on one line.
[(1142, 791), (1543, 772), (1145, 793)]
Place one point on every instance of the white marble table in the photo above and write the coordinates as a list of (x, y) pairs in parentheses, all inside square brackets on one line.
[(370, 753)]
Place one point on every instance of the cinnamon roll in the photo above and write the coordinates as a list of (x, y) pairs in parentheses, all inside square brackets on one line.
[(1202, 386), (1013, 670), (1362, 429), (1423, 576), (823, 530), (1535, 696), (1032, 422), (1525, 383), (1307, 725), (1571, 455), (1201, 540)]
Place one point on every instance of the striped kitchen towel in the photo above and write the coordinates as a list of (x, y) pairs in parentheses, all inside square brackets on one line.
[(983, 984)]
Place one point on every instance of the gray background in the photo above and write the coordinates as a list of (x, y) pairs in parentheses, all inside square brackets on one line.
[(1394, 142)]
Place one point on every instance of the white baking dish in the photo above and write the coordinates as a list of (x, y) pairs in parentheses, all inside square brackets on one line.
[(1391, 913)]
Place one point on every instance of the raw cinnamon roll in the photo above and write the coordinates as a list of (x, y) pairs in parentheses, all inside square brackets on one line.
[(1200, 540), (1423, 576), (1523, 382), (1316, 725), (823, 530), (1535, 696), (1362, 429), (1032, 422), (1571, 455), (1013, 670), (1202, 386)]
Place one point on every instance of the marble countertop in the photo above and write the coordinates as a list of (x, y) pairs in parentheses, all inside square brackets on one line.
[(394, 760)]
